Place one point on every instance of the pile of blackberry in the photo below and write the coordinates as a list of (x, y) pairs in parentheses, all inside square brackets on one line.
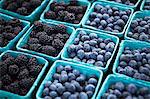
[(91, 49), (18, 73), (135, 63), (140, 29), (72, 12), (108, 18), (47, 39), (69, 83), (9, 30), (147, 5), (23, 7), (120, 90), (127, 2)]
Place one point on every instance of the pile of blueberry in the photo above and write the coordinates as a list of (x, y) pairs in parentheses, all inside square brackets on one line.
[(127, 2), (91, 49), (147, 5), (69, 83), (120, 90), (47, 39), (135, 63), (23, 7), (108, 18), (18, 73), (140, 29), (9, 30), (72, 12)]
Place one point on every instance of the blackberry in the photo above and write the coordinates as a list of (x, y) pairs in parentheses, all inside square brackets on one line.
[(15, 22), (23, 74), (38, 26), (8, 36), (35, 3), (21, 59), (12, 6), (69, 17), (49, 50), (53, 5), (33, 41), (35, 47), (9, 61), (35, 70), (26, 46), (45, 39), (61, 28), (3, 69), (50, 15), (79, 16), (17, 30), (57, 43), (8, 28), (33, 34), (26, 5), (23, 91), (49, 30), (13, 70), (32, 62), (73, 2), (58, 8), (22, 11), (6, 79), (13, 87), (26, 82), (5, 56)]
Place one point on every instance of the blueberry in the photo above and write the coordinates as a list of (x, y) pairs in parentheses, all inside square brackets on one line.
[(60, 89), (132, 88), (105, 16), (93, 36), (133, 63), (112, 96), (88, 22), (66, 95), (71, 48), (92, 81), (81, 33), (123, 64), (98, 7), (100, 27), (68, 68), (129, 71), (71, 87), (80, 54), (125, 18), (52, 87), (110, 47), (93, 23), (63, 78), (99, 16), (76, 41), (85, 37), (86, 47), (73, 96), (56, 76), (93, 55), (93, 43), (100, 58), (47, 84), (96, 20), (71, 76), (45, 92), (102, 45), (47, 97), (90, 87), (59, 69), (144, 70), (93, 14), (81, 79), (99, 64), (89, 93), (103, 23), (148, 56), (76, 72), (79, 47), (53, 94), (77, 85), (117, 93), (103, 10), (143, 90), (72, 55), (83, 95), (91, 61), (107, 56), (120, 86)]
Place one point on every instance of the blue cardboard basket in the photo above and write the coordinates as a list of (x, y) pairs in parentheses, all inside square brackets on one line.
[(120, 4), (11, 43), (64, 55), (24, 39), (138, 14), (81, 2), (85, 70), (112, 5), (142, 5), (111, 79), (132, 45), (30, 17), (9, 95)]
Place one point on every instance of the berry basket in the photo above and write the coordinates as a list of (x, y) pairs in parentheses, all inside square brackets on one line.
[(5, 94), (115, 39), (139, 14), (120, 34), (30, 17), (120, 4), (24, 39), (142, 5), (11, 44), (81, 2), (128, 43), (81, 68), (116, 78)]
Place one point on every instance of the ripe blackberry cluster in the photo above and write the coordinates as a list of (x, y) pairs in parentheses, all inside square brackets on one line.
[(9, 30), (140, 29), (46, 39), (23, 7), (135, 63), (120, 90), (72, 12), (147, 5), (69, 83), (91, 49), (18, 73), (127, 2), (108, 18)]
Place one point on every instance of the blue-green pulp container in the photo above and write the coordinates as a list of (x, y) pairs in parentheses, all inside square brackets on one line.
[(134, 45), (84, 70), (138, 14), (9, 95), (115, 39), (111, 79), (81, 2), (142, 5), (24, 40), (12, 42), (120, 34), (30, 17)]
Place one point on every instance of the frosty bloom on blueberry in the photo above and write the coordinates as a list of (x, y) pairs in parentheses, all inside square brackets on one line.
[(69, 83), (135, 63), (108, 18), (46, 39), (18, 73), (120, 90), (91, 49), (127, 2)]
